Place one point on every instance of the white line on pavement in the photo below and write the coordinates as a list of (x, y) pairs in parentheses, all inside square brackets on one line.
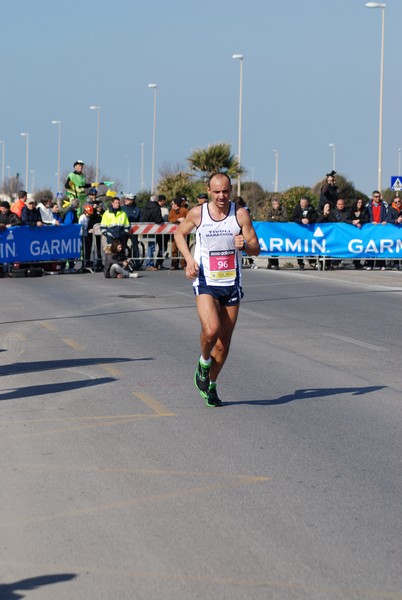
[(357, 342)]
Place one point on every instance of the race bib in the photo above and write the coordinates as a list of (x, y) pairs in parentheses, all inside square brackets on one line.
[(222, 264)]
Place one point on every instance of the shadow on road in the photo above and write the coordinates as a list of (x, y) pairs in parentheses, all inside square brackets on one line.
[(307, 394), (52, 388), (51, 365), (11, 591)]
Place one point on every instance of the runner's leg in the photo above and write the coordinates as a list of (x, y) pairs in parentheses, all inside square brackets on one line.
[(208, 312), (217, 325), (227, 317)]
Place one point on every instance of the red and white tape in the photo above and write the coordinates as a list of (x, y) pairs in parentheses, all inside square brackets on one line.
[(143, 228)]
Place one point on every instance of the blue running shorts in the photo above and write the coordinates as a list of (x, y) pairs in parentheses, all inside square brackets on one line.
[(227, 295)]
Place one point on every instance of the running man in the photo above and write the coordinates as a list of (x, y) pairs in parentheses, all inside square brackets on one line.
[(223, 232)]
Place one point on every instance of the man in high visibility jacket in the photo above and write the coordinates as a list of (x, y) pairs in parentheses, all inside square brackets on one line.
[(115, 223), (76, 183)]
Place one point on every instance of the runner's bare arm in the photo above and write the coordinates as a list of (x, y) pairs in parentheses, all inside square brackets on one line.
[(247, 235), (191, 221)]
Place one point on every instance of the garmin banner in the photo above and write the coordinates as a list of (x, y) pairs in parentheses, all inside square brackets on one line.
[(50, 242), (338, 240)]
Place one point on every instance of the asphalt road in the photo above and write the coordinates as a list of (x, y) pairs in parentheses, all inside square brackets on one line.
[(116, 481)]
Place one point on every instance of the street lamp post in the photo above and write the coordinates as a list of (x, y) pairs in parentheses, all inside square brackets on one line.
[(58, 123), (142, 167), (2, 161), (26, 135), (97, 108), (276, 184), (399, 161), (239, 57), (32, 180), (333, 146), (128, 173), (153, 86), (381, 5)]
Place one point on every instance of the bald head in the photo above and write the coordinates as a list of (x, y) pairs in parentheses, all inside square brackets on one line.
[(219, 175), (220, 189)]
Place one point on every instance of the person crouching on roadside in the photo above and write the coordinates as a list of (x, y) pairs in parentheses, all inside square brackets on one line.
[(117, 265)]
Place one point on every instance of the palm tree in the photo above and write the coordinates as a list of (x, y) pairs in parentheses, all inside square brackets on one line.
[(217, 158), (173, 184)]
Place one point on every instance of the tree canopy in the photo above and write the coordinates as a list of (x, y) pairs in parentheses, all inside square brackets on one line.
[(217, 158)]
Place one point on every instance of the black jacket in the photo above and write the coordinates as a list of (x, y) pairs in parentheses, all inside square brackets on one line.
[(338, 216), (393, 215), (9, 219), (30, 216), (112, 259), (354, 216), (307, 213), (328, 193), (152, 213)]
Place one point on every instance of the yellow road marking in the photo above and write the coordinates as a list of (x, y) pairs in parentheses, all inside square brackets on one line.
[(49, 326), (73, 344), (134, 417), (83, 418), (112, 370), (158, 408), (130, 502), (150, 472), (20, 336), (102, 420)]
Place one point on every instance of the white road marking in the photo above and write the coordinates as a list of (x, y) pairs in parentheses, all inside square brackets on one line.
[(357, 342)]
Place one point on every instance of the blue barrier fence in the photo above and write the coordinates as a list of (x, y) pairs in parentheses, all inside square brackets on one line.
[(29, 244), (52, 243), (338, 240)]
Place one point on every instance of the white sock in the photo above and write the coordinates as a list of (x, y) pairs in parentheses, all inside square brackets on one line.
[(204, 362)]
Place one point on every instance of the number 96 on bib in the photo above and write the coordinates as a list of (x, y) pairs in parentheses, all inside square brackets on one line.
[(222, 264)]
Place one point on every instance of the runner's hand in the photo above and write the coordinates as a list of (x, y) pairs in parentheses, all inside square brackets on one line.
[(239, 241), (192, 269)]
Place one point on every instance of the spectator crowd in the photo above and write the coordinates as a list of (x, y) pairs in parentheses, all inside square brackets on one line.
[(109, 247)]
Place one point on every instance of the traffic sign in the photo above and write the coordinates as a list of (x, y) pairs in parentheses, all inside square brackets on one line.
[(396, 183)]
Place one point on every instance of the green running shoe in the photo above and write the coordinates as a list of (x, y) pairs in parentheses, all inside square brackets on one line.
[(201, 377), (211, 396)]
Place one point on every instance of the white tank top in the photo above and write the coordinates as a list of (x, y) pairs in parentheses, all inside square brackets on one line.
[(215, 252)]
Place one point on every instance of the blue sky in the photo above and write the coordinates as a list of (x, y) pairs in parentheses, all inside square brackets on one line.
[(310, 77)]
